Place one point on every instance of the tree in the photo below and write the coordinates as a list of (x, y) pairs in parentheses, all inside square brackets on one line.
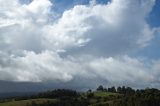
[(119, 89), (124, 90), (130, 91), (112, 89), (89, 91), (105, 89), (100, 88), (90, 95)]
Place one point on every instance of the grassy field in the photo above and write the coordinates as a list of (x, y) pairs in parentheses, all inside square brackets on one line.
[(93, 100), (25, 102), (104, 94), (102, 98)]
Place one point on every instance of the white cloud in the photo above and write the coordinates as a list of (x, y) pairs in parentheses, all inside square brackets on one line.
[(113, 24), (49, 66), (93, 2), (33, 67), (80, 28), (31, 44)]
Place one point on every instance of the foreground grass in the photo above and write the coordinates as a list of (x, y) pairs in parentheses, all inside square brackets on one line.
[(27, 102)]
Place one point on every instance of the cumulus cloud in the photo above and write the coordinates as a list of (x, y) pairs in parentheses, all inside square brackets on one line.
[(80, 28), (88, 42), (49, 66), (33, 67), (111, 24)]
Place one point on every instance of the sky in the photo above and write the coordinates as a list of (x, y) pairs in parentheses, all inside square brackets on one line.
[(81, 42)]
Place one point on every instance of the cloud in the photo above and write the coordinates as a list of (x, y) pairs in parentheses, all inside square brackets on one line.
[(49, 66), (93, 2), (88, 42), (33, 67), (83, 27)]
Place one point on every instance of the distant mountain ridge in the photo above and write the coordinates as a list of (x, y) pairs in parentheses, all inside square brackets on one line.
[(8, 87), (23, 87), (16, 94)]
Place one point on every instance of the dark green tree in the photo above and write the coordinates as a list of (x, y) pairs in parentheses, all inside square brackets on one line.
[(100, 88)]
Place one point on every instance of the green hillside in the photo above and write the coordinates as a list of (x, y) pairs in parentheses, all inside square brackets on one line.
[(27, 102), (104, 94), (122, 96), (96, 98)]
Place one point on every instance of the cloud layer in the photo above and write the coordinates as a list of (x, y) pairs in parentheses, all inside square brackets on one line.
[(88, 42), (49, 66)]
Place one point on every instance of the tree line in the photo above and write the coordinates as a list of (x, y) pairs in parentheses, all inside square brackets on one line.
[(121, 90), (123, 96), (132, 97)]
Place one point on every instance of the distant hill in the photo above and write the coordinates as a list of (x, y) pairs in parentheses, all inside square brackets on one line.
[(22, 87), (16, 94), (10, 87)]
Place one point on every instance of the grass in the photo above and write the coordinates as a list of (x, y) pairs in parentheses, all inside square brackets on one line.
[(104, 94), (104, 100), (25, 102), (93, 100)]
